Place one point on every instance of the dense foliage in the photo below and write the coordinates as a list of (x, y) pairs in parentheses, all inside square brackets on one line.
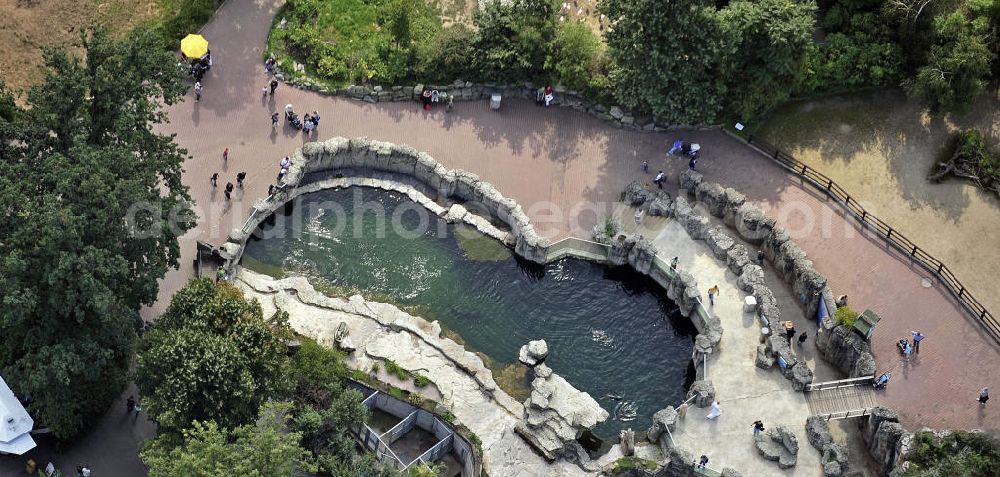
[(92, 206), (969, 454), (265, 447), (682, 61), (211, 356)]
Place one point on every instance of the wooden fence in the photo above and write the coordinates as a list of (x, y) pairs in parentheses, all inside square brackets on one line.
[(892, 236)]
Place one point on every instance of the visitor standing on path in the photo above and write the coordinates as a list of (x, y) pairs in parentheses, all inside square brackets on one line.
[(702, 462), (315, 117), (693, 164), (197, 91), (917, 338), (658, 180), (274, 120), (789, 331), (274, 86), (215, 179), (220, 274), (229, 190), (984, 395), (760, 257), (240, 177), (129, 405), (802, 338), (711, 294), (673, 264), (225, 155), (758, 427), (645, 167), (715, 412), (270, 190), (638, 216)]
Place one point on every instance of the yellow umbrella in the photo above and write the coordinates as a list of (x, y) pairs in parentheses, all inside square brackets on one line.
[(194, 46)]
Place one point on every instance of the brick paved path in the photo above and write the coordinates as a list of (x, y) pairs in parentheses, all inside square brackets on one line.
[(562, 159)]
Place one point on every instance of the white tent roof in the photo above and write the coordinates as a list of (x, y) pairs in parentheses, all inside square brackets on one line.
[(15, 423)]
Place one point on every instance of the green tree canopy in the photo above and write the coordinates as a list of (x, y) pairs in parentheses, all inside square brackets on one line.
[(513, 39), (576, 59), (92, 206), (768, 41), (211, 356), (667, 57), (958, 66), (265, 448)]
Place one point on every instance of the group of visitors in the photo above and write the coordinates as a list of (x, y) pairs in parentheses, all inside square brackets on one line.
[(908, 348), (240, 177), (200, 66), (307, 124), (432, 96)]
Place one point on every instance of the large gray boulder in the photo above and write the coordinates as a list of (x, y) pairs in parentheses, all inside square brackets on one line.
[(764, 359), (661, 205), (718, 242), (802, 376), (689, 181), (818, 432), (779, 445), (556, 413), (664, 419), (835, 460), (751, 223), (752, 275), (635, 194), (703, 392), (641, 256), (736, 258), (533, 353), (713, 196)]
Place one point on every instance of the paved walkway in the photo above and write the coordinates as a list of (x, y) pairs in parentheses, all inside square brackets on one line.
[(566, 169)]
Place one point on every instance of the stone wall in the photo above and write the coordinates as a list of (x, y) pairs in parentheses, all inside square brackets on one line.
[(467, 91), (361, 157)]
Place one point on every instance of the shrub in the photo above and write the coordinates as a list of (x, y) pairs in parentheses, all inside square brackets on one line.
[(846, 316), (850, 61), (392, 368), (577, 59), (421, 381), (446, 57), (448, 416), (972, 454), (316, 365)]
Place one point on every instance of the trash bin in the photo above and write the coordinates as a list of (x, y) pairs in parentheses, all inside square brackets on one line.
[(495, 101), (749, 304)]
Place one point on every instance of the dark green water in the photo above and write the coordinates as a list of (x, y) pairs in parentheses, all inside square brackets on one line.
[(497, 302)]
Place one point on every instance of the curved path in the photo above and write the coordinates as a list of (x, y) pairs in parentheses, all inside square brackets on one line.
[(566, 168)]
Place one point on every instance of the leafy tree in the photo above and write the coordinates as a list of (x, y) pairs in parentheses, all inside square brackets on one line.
[(850, 61), (667, 57), (769, 40), (446, 57), (958, 66), (513, 38), (211, 356), (92, 206), (265, 448), (972, 454), (576, 59)]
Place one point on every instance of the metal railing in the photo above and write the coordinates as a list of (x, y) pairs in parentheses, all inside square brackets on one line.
[(840, 383), (846, 414), (892, 236)]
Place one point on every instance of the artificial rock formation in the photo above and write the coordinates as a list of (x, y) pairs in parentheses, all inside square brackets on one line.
[(636, 195), (778, 444), (556, 413), (533, 353), (664, 420), (703, 392)]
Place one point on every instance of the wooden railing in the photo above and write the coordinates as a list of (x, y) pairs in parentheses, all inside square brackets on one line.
[(892, 236)]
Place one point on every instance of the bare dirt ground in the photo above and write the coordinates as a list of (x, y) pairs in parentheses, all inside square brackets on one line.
[(26, 26), (881, 147)]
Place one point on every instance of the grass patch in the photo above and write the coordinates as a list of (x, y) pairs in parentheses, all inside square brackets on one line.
[(846, 316), (626, 463), (180, 17), (421, 381), (394, 369)]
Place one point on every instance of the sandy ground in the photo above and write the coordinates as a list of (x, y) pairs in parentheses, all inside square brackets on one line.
[(881, 147), (27, 26)]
